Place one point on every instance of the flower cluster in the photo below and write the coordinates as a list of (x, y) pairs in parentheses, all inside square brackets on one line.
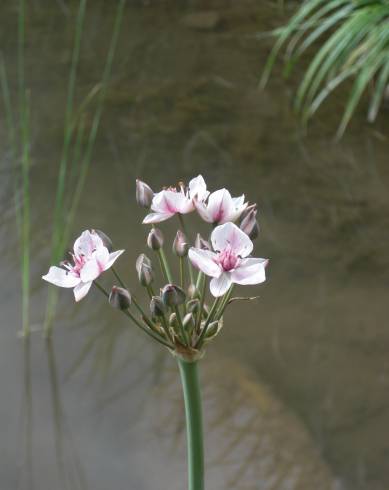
[(91, 257), (217, 207), (178, 315)]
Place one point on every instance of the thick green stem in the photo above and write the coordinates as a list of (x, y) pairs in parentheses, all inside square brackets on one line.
[(194, 423)]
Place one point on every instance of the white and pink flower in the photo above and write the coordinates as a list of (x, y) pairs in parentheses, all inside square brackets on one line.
[(169, 202), (229, 263), (221, 207), (90, 259)]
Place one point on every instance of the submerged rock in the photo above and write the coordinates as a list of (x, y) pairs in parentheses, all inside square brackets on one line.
[(202, 21), (252, 440)]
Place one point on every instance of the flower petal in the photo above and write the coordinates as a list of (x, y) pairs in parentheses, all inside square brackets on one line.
[(186, 206), (220, 205), (156, 218), (238, 201), (205, 261), (86, 243), (81, 290), (102, 256), (198, 188), (90, 270), (171, 202), (61, 277), (230, 234), (112, 258), (203, 211), (239, 207), (220, 285), (158, 203), (250, 271)]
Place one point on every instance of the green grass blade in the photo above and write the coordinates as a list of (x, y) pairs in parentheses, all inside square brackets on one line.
[(61, 182), (24, 114), (96, 121), (334, 52), (11, 130), (26, 216), (358, 35), (76, 156), (330, 87), (294, 53), (9, 113), (284, 34), (381, 84), (365, 76), (85, 161), (323, 27)]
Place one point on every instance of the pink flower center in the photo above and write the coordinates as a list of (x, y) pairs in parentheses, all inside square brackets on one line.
[(228, 259), (79, 263)]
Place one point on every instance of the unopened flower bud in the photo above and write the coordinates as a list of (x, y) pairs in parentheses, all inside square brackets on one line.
[(119, 298), (188, 319), (247, 211), (155, 239), (206, 309), (193, 305), (180, 244), (213, 329), (145, 270), (173, 295), (193, 291), (200, 242), (144, 194), (142, 259), (107, 242), (173, 320), (249, 224), (157, 307)]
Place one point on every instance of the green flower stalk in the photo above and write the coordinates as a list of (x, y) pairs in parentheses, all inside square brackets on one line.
[(181, 318), (194, 423)]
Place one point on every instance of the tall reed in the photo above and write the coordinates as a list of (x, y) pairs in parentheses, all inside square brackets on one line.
[(73, 132), (18, 123), (75, 157), (59, 212)]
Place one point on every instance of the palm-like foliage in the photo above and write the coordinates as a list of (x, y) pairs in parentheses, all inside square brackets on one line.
[(356, 47)]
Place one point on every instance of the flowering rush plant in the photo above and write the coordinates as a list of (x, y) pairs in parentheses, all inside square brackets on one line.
[(186, 313)]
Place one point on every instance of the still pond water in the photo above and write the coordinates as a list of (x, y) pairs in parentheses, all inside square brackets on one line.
[(296, 388)]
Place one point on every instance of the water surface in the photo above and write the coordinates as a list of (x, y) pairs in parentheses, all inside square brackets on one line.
[(296, 386)]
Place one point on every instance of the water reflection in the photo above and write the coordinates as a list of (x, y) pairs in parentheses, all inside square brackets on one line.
[(67, 471), (250, 436), (69, 467), (26, 476), (252, 440)]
